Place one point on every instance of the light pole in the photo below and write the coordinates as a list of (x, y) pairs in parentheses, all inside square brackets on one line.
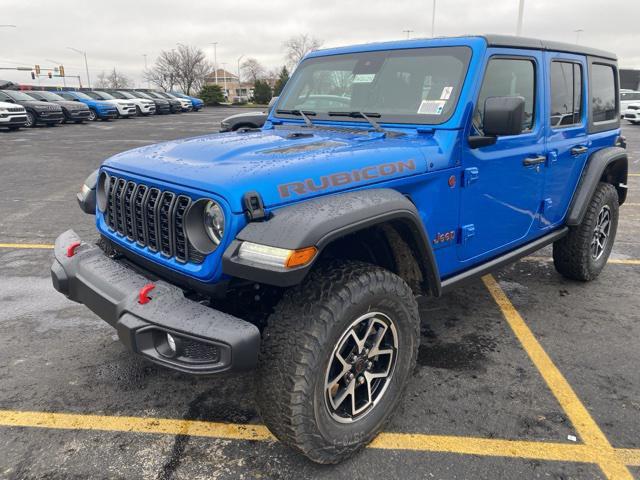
[(145, 70), (520, 18), (578, 32), (433, 20), (215, 60), (86, 65), (224, 77), (408, 32), (64, 81), (239, 58)]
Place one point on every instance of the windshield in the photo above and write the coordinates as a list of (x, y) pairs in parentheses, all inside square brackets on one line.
[(19, 96), (104, 96), (418, 85), (141, 95), (84, 96), (124, 94), (48, 95)]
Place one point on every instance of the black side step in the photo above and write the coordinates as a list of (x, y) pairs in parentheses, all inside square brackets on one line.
[(498, 262)]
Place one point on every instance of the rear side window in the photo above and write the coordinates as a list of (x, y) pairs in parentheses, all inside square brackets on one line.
[(603, 93), (566, 94), (508, 77)]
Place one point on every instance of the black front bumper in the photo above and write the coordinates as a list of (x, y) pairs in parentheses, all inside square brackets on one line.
[(208, 341)]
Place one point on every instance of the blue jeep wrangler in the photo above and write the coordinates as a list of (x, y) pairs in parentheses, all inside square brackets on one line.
[(299, 249)]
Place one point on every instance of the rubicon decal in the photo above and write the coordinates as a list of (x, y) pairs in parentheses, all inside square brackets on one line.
[(311, 185)]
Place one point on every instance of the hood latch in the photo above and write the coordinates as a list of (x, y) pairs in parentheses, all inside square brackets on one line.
[(253, 206)]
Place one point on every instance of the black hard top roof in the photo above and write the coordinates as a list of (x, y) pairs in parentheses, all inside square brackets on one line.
[(537, 44)]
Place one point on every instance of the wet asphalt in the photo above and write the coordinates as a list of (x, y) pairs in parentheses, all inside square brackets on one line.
[(473, 377)]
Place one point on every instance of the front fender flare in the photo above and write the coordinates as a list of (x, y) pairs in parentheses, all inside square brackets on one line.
[(320, 221)]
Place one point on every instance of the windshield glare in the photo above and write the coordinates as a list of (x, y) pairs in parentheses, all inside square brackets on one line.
[(84, 96), (49, 96), (18, 95), (104, 96), (419, 85)]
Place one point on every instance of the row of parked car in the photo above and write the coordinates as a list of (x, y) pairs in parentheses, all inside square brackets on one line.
[(28, 108)]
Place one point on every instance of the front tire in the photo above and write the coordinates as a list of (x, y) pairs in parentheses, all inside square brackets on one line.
[(92, 115), (335, 357), (31, 120), (584, 252)]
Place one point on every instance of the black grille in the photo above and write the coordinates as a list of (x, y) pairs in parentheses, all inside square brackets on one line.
[(150, 217)]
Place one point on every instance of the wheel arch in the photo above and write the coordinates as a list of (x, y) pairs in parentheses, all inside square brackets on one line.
[(608, 165), (380, 226)]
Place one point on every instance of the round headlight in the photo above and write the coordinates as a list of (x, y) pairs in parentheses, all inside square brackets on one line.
[(204, 225), (214, 221), (102, 191)]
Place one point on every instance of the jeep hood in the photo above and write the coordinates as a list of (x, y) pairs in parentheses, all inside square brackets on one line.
[(283, 165)]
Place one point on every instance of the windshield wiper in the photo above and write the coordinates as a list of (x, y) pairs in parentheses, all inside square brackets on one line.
[(366, 116), (300, 113)]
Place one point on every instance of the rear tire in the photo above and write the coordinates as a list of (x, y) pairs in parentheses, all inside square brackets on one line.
[(306, 392), (584, 252)]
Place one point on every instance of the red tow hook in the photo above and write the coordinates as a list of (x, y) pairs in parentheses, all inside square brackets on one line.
[(71, 249), (143, 296)]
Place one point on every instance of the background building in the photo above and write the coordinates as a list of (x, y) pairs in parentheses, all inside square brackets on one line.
[(234, 90)]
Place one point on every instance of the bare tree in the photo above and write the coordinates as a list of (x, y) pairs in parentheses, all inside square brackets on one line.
[(253, 69), (102, 81), (114, 80), (298, 46), (192, 67), (185, 67), (118, 80), (164, 72)]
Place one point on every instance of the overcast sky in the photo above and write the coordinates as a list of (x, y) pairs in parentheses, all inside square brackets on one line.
[(116, 33)]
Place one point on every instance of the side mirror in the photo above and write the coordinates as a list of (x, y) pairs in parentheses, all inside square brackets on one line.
[(272, 102), (503, 116), (76, 99)]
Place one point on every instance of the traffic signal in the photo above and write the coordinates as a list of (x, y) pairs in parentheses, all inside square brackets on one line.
[(49, 75), (33, 76), (61, 71), (37, 69)]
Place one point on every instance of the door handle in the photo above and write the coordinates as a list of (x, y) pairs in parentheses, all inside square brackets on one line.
[(530, 161), (579, 150)]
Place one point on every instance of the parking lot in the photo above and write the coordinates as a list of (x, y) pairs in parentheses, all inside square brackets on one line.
[(522, 374)]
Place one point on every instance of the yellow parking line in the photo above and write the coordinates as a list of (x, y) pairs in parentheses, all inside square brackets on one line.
[(562, 452), (27, 245), (68, 421), (629, 456), (634, 174), (604, 454)]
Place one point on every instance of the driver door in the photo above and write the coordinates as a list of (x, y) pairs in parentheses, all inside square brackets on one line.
[(502, 183)]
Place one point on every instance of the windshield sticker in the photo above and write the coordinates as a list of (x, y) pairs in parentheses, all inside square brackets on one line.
[(364, 77), (446, 93), (432, 107)]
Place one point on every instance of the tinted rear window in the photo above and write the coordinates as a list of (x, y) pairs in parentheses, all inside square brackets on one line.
[(603, 93)]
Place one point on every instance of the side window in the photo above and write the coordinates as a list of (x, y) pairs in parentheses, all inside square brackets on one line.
[(508, 77), (566, 94), (603, 93)]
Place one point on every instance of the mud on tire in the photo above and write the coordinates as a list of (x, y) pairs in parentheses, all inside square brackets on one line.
[(298, 358), (577, 256)]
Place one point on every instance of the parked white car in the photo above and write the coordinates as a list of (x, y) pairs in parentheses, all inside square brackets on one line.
[(143, 106), (185, 104), (126, 108), (12, 115), (628, 97), (632, 113)]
